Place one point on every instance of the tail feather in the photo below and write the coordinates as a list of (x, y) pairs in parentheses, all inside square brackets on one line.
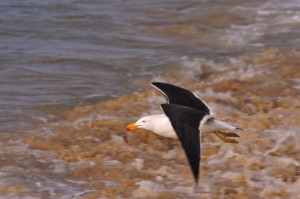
[(212, 125), (220, 125)]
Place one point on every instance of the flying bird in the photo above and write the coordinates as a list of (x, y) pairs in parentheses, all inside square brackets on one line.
[(185, 117)]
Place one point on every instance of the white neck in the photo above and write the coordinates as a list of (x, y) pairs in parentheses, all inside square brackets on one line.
[(160, 124)]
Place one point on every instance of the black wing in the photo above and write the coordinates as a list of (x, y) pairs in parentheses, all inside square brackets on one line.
[(181, 96), (185, 122)]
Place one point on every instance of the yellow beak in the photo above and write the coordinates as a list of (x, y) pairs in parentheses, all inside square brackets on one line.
[(131, 127)]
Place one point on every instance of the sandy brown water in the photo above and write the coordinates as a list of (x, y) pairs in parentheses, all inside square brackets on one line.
[(74, 73), (85, 156), (61, 54)]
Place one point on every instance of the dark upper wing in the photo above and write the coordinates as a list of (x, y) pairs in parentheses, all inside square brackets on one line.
[(181, 96), (185, 122)]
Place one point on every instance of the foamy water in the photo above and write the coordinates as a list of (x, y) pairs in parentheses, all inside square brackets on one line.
[(78, 81), (63, 54), (87, 157)]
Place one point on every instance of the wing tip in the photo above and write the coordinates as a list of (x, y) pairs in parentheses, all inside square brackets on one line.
[(156, 86), (196, 177), (197, 180), (155, 83)]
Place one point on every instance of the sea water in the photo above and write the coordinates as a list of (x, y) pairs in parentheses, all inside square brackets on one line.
[(74, 73)]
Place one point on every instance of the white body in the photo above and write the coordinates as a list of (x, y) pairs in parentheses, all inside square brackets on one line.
[(161, 125)]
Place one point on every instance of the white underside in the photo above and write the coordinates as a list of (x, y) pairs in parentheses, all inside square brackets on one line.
[(161, 125)]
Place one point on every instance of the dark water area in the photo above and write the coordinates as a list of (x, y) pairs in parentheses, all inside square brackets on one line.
[(68, 53), (74, 73)]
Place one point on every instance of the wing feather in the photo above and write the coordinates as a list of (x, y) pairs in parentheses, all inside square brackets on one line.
[(181, 96), (185, 122)]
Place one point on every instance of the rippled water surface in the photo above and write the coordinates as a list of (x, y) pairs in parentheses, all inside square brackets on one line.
[(74, 73), (67, 53)]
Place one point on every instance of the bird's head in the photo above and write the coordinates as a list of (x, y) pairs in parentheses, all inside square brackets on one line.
[(143, 123)]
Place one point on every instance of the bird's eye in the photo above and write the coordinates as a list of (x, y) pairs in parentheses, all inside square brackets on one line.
[(143, 121)]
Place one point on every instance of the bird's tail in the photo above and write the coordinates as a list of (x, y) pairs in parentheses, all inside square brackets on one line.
[(222, 126), (219, 128)]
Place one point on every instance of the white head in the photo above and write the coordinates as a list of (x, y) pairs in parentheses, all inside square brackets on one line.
[(146, 122), (159, 124)]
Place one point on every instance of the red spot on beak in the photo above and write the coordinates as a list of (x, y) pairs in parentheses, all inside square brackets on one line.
[(131, 127), (127, 128)]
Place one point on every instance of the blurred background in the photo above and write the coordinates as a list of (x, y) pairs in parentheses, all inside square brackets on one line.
[(82, 70)]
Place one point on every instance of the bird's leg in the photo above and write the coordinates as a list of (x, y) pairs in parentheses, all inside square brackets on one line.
[(223, 136), (229, 134)]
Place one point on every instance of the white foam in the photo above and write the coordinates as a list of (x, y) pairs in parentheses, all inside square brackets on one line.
[(117, 139), (159, 178), (148, 188), (138, 163), (111, 162), (240, 35), (171, 153), (283, 137), (92, 117)]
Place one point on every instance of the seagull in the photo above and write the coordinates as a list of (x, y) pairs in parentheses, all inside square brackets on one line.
[(185, 117)]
